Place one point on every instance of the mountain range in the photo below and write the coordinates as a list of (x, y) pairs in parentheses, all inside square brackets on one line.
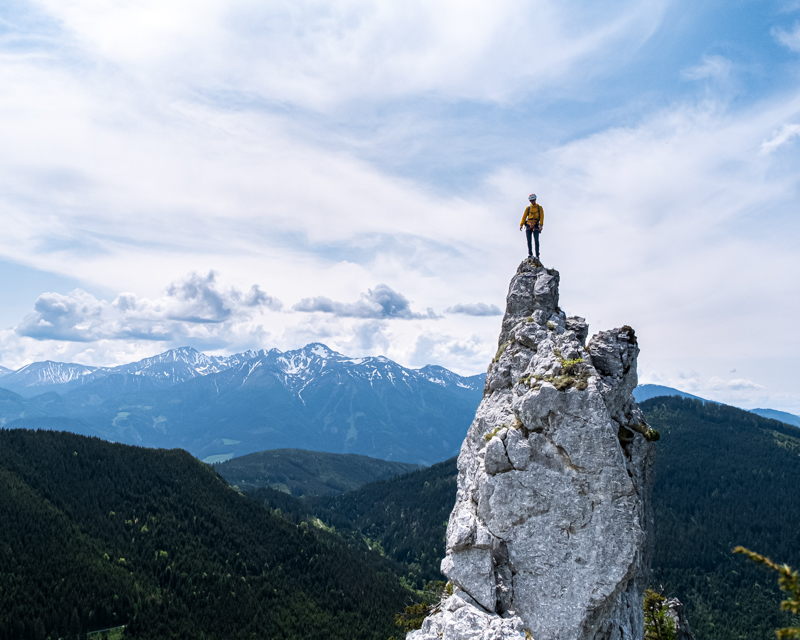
[(221, 407)]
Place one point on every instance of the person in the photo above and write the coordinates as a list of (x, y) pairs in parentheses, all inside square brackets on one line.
[(533, 221)]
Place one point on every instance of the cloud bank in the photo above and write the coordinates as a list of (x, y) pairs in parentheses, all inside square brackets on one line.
[(381, 302), (195, 307), (475, 309)]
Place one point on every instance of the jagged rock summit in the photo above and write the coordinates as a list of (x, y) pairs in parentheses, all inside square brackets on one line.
[(551, 534)]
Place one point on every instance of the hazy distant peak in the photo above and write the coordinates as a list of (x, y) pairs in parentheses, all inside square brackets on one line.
[(646, 391), (782, 416)]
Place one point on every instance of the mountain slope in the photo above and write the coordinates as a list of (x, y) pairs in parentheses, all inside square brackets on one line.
[(782, 416), (725, 477), (405, 517), (96, 534), (401, 514), (13, 407), (304, 472), (646, 391)]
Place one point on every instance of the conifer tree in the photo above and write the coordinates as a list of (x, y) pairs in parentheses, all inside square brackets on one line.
[(788, 581), (658, 625)]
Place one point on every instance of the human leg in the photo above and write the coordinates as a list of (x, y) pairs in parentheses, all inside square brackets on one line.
[(536, 238), (528, 233)]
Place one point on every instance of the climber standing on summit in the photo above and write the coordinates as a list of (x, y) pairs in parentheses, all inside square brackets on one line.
[(533, 221)]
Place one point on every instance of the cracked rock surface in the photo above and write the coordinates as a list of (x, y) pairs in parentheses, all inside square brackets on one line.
[(551, 534)]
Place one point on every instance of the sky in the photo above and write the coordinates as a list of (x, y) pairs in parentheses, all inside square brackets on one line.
[(231, 175)]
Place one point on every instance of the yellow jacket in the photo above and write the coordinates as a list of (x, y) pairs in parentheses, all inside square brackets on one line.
[(534, 215)]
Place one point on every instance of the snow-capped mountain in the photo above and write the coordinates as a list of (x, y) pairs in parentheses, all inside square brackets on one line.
[(445, 377), (175, 365), (171, 367), (216, 407), (294, 369), (46, 376), (199, 362)]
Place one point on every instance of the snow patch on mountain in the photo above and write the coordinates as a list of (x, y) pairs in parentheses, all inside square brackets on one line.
[(294, 369), (39, 374)]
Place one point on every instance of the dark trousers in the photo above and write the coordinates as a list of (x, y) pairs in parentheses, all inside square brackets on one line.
[(528, 233)]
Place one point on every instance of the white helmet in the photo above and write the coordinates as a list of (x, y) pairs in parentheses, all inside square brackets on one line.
[(532, 197)]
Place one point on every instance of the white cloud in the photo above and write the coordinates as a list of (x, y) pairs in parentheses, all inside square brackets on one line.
[(790, 39), (738, 384), (712, 67), (433, 347), (195, 308), (786, 134), (143, 141), (369, 337), (317, 53), (380, 302)]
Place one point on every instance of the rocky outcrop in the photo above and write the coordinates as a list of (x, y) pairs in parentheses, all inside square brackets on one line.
[(551, 534), (676, 612)]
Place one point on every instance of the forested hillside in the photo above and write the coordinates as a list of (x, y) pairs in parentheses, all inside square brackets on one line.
[(724, 477), (302, 472), (96, 534), (405, 517)]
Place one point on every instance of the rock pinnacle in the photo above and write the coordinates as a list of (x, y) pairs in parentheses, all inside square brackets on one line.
[(551, 534)]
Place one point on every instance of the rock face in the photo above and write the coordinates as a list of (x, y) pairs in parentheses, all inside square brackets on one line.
[(551, 534)]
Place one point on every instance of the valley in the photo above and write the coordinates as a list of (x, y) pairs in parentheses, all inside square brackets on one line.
[(159, 541)]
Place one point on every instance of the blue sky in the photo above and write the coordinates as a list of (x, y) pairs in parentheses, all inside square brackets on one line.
[(233, 174)]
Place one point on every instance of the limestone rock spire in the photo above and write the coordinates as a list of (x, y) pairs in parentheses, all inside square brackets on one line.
[(551, 534)]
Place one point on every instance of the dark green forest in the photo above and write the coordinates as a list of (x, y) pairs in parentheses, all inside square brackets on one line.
[(404, 517), (724, 477), (97, 534)]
